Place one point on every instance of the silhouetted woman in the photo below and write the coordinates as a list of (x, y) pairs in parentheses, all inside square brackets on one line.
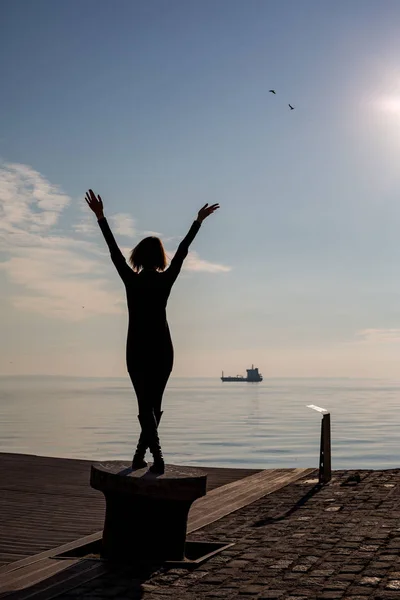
[(149, 349)]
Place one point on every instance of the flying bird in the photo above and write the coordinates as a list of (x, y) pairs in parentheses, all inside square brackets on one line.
[(291, 107), (272, 91)]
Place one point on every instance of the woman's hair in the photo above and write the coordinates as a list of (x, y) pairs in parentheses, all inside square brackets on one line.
[(148, 254)]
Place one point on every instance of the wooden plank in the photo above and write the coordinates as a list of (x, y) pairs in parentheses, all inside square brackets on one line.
[(29, 560), (207, 512), (43, 586), (11, 581), (242, 489), (33, 574), (243, 483), (52, 589)]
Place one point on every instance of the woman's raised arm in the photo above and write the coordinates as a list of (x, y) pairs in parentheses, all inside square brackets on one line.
[(96, 205), (176, 263)]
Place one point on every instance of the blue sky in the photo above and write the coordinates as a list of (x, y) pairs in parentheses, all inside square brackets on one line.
[(163, 106)]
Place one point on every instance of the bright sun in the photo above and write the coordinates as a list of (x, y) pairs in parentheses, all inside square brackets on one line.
[(390, 104)]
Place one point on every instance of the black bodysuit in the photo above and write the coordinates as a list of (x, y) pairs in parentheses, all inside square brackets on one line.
[(149, 349)]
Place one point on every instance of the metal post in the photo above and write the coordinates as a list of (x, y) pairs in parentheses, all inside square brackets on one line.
[(325, 472), (325, 450)]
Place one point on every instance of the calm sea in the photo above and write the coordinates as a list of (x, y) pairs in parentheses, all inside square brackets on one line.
[(206, 421)]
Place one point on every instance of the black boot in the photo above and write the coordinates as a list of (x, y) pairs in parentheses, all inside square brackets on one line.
[(138, 461), (158, 466)]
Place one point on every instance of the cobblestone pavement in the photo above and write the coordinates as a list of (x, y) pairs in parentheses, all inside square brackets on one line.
[(336, 542)]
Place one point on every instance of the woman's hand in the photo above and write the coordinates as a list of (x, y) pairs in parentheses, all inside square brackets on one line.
[(96, 204), (205, 211)]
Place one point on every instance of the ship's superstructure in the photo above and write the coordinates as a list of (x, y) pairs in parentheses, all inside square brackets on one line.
[(253, 376)]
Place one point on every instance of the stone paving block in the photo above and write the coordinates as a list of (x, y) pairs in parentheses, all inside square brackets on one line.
[(233, 583), (281, 564), (355, 590), (221, 593), (393, 584), (380, 566), (214, 579), (370, 581), (250, 556), (351, 569), (356, 597), (336, 585), (147, 587), (290, 576), (237, 564), (311, 558), (303, 592), (251, 590), (182, 582), (301, 568), (313, 582), (390, 558), (196, 574)]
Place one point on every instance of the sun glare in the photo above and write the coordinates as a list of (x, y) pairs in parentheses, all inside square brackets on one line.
[(390, 104)]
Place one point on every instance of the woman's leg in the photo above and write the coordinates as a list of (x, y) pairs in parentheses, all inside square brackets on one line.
[(158, 391), (149, 374), (138, 461), (142, 384), (149, 390), (163, 372)]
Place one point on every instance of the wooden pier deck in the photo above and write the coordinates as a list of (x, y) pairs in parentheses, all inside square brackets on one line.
[(46, 502), (47, 506)]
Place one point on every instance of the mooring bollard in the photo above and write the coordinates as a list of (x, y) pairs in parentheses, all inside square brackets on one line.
[(325, 471), (146, 515)]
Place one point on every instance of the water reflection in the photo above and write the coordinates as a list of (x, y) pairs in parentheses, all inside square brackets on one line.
[(205, 421)]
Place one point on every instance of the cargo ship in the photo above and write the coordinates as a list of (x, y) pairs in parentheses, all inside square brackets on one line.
[(252, 376)]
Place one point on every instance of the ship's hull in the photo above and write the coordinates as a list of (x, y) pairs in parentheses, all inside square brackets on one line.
[(241, 379)]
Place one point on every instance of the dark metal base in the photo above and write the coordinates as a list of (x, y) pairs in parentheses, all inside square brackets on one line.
[(146, 515), (138, 527), (195, 553)]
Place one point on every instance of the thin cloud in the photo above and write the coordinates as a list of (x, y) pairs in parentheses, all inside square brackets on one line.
[(87, 225), (152, 233), (123, 224), (58, 275), (194, 263), (378, 336), (27, 200)]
